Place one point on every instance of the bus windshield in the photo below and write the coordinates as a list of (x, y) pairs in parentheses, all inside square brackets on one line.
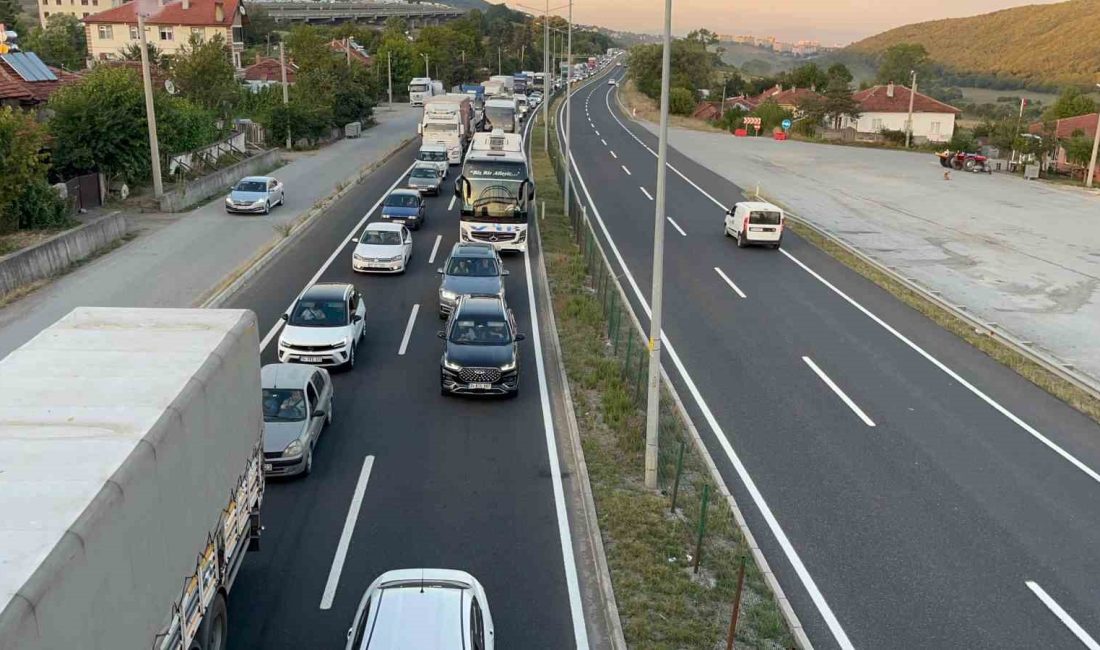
[(494, 187), (501, 117)]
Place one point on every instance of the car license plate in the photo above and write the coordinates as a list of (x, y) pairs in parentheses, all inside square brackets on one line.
[(267, 467), (311, 359), (481, 386)]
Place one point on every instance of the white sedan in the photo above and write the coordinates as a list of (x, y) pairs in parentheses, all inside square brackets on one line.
[(383, 248)]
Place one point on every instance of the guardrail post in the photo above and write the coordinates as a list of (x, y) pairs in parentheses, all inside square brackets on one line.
[(702, 526), (736, 605)]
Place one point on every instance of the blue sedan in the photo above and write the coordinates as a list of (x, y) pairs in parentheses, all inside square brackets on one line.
[(404, 206), (255, 194)]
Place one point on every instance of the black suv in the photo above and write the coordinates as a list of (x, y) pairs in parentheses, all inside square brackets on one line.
[(481, 353)]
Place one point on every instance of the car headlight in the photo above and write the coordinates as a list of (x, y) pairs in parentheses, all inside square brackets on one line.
[(448, 295), (229, 199), (358, 258), (283, 344), (258, 202), (395, 258), (510, 366), (293, 449), (449, 365), (342, 344)]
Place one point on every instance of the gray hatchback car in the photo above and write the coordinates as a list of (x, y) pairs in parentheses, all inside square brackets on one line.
[(425, 179), (297, 405), (470, 270)]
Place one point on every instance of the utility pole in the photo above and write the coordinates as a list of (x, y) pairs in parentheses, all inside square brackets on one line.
[(389, 75), (568, 111), (427, 72), (522, 53), (150, 110), (1095, 147), (546, 79), (347, 50), (286, 91), (912, 94), (653, 402), (499, 66)]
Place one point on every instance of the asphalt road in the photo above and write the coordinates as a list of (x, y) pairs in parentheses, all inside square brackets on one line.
[(905, 487), (454, 483)]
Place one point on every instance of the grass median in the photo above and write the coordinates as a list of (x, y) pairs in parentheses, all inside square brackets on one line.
[(662, 601)]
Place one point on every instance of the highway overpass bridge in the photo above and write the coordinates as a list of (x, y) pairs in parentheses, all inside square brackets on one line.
[(417, 15)]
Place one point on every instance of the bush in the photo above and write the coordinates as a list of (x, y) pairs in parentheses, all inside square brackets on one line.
[(38, 207), (962, 140), (681, 101), (893, 136), (304, 121)]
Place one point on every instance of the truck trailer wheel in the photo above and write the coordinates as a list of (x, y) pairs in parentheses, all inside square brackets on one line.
[(214, 631)]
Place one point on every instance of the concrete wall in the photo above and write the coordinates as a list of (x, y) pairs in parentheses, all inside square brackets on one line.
[(58, 253), (218, 182)]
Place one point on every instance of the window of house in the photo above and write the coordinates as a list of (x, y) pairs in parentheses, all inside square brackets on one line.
[(935, 128), (165, 33), (46, 14), (134, 34), (238, 34), (84, 2), (86, 14), (876, 125), (106, 32)]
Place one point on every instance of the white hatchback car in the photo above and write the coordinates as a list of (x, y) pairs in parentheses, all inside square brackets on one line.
[(383, 248), (324, 327), (755, 222), (438, 609)]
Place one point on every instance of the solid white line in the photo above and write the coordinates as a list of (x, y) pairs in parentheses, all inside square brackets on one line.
[(435, 249), (613, 155), (451, 205), (839, 393), (1066, 619), (408, 330), (1053, 446), (776, 529), (678, 228), (345, 536), (627, 171), (603, 141), (647, 194), (565, 538), (324, 267), (733, 286)]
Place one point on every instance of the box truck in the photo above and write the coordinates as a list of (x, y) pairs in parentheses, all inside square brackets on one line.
[(420, 88), (448, 120), (131, 477)]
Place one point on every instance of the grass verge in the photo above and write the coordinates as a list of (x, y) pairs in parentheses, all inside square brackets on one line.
[(646, 109), (21, 239), (1069, 393), (662, 602)]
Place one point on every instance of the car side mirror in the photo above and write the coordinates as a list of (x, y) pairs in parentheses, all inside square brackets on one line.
[(505, 272), (285, 317), (319, 413), (531, 192), (356, 318), (441, 334), (439, 270), (355, 240), (458, 186), (521, 337)]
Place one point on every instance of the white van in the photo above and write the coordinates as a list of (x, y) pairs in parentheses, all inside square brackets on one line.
[(421, 609), (755, 222), (434, 154)]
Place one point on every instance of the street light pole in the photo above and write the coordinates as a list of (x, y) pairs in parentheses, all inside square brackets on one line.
[(150, 111), (427, 72), (568, 109), (389, 75), (286, 95), (909, 121), (653, 402), (1095, 147), (546, 79)]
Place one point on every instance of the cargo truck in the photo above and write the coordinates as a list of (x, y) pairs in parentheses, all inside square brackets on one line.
[(131, 477), (500, 113), (507, 82), (448, 120), (420, 88)]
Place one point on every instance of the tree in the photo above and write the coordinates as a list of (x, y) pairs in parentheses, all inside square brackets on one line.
[(303, 119), (806, 76), (260, 26), (1071, 102), (691, 66), (21, 162), (681, 101), (898, 61), (10, 14), (771, 115), (182, 125), (835, 104), (704, 36), (203, 74), (62, 43), (132, 52), (1078, 150), (839, 71)]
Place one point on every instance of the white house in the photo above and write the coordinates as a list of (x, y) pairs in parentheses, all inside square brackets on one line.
[(887, 107)]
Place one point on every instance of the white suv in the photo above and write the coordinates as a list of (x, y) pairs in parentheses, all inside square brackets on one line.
[(324, 326), (421, 609)]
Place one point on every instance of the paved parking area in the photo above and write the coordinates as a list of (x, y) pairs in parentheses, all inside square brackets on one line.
[(1025, 255)]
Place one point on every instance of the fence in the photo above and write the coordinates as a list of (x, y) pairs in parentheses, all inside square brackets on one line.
[(201, 161)]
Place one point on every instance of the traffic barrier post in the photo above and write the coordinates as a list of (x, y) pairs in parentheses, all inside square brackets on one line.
[(736, 605), (702, 526)]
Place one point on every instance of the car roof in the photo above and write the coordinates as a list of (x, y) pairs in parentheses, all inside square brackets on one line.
[(326, 291), (473, 250), (384, 225), (285, 375), (257, 178), (481, 306), (409, 615), (405, 192), (759, 205)]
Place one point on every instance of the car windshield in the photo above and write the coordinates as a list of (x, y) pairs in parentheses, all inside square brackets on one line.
[(483, 330), (319, 313), (402, 201), (433, 156), (473, 267), (251, 186), (768, 218), (384, 237), (284, 405), (424, 172)]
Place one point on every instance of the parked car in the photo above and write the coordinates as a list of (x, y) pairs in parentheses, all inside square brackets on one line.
[(754, 222), (297, 404), (383, 247), (470, 269), (255, 194), (324, 327), (481, 349), (422, 608), (406, 207), (434, 154), (425, 180)]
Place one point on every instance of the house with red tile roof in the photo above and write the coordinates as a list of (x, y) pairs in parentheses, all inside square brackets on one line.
[(170, 26), (886, 107), (709, 110), (350, 50), (266, 71), (789, 99), (18, 92), (1064, 129)]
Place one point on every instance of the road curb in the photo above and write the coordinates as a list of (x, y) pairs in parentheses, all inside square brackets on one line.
[(237, 278), (592, 527)]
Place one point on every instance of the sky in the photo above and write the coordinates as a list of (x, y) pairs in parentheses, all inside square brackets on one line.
[(828, 21)]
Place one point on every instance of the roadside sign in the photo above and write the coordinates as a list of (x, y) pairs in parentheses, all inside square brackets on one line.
[(786, 125)]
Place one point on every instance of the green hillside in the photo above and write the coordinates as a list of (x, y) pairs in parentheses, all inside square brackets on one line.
[(1039, 44)]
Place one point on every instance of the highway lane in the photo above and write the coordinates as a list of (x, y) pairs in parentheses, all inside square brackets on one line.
[(919, 531), (456, 483)]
